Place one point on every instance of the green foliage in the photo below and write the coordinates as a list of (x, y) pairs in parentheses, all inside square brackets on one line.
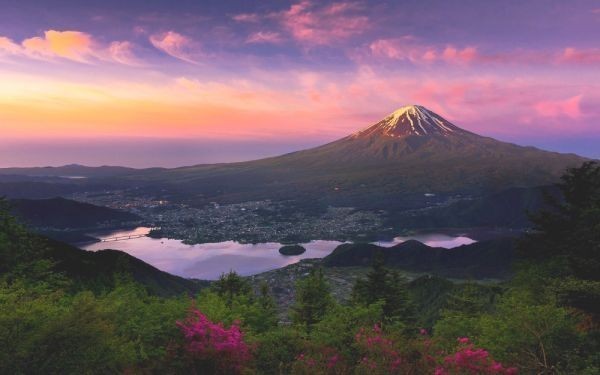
[(231, 285), (49, 332), (339, 325), (145, 320), (389, 288), (256, 314), (276, 350), (566, 240), (543, 321), (313, 300), (533, 336), (21, 254)]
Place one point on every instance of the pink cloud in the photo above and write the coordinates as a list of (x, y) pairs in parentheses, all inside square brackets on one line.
[(410, 49), (312, 24), (122, 52), (8, 47), (176, 45), (454, 55), (560, 108), (70, 45), (265, 37), (404, 48), (584, 56)]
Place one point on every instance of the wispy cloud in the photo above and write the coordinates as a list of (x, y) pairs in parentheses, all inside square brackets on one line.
[(269, 37), (247, 17), (410, 49), (560, 108), (69, 45), (177, 45), (312, 23), (583, 56), (122, 52)]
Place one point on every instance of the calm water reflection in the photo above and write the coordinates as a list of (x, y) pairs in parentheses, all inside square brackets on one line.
[(209, 260)]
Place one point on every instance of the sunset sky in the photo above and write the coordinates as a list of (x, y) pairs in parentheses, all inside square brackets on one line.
[(177, 82)]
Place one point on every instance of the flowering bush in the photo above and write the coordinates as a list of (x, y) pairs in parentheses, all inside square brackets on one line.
[(378, 352), (325, 361), (471, 360), (214, 348)]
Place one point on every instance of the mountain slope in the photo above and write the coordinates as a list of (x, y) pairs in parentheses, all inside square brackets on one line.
[(100, 269), (492, 258), (63, 213), (71, 170), (411, 151)]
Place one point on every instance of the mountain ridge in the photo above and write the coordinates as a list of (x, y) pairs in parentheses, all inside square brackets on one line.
[(375, 169)]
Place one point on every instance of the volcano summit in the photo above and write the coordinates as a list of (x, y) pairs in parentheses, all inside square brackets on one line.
[(411, 120)]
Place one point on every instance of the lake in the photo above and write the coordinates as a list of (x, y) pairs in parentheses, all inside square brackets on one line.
[(209, 260)]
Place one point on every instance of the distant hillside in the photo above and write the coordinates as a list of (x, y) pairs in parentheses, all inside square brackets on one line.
[(22, 251), (71, 170), (63, 213), (97, 270), (37, 189), (506, 209), (485, 259)]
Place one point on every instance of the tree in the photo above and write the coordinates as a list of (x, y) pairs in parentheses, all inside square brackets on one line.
[(267, 306), (231, 285), (313, 299), (565, 242), (382, 284)]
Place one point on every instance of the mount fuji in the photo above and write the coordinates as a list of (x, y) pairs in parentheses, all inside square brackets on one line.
[(411, 152)]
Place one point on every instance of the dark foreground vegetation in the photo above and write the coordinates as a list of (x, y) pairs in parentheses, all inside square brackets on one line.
[(65, 313)]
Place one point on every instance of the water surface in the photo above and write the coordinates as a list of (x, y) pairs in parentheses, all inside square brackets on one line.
[(210, 260)]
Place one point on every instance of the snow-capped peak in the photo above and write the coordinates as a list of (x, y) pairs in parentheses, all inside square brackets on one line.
[(411, 120)]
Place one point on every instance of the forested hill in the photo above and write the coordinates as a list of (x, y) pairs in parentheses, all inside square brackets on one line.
[(23, 254), (63, 213), (485, 259)]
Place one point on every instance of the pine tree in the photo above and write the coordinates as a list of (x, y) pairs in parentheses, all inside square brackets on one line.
[(381, 284), (565, 243), (313, 299), (267, 305), (231, 285)]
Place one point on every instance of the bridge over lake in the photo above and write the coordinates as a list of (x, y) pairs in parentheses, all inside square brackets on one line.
[(125, 237)]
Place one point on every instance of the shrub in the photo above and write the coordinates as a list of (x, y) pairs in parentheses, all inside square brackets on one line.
[(213, 348)]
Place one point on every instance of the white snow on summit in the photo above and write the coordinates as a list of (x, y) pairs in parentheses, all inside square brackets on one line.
[(411, 120)]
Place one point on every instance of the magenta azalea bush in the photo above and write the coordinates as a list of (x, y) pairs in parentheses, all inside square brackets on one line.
[(378, 353), (212, 346), (214, 349), (471, 360)]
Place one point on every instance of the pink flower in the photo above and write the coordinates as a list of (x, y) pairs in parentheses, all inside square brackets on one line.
[(211, 341)]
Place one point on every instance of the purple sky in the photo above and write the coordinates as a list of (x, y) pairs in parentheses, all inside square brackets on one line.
[(182, 82)]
